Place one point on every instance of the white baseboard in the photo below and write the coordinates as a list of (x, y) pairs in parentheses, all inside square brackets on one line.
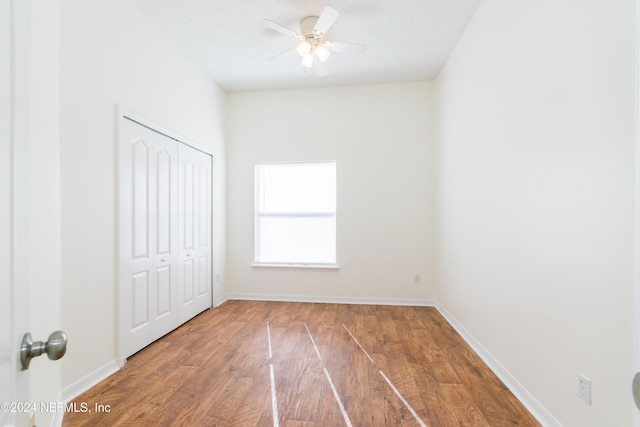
[(220, 300), (57, 419), (521, 393), (74, 390), (325, 299)]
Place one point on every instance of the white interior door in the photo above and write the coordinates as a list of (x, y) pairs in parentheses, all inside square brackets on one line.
[(194, 235), (149, 235), (14, 314), (636, 307), (165, 233), (6, 366)]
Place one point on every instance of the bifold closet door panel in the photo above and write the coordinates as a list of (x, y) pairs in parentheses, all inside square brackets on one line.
[(194, 234), (149, 179)]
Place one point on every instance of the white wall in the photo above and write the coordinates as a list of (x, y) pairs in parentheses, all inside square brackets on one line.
[(382, 139), (536, 197), (112, 55)]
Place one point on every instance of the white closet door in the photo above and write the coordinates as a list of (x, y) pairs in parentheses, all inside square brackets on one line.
[(194, 235), (149, 235)]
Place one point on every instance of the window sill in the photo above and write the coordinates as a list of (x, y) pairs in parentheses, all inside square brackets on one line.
[(295, 266)]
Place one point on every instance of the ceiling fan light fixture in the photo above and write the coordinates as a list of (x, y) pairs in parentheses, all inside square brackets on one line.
[(322, 53), (304, 48), (307, 60)]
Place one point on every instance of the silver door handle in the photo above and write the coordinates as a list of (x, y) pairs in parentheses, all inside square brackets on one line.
[(635, 388), (55, 347)]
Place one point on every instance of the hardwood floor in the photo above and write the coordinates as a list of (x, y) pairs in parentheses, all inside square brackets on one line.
[(249, 363)]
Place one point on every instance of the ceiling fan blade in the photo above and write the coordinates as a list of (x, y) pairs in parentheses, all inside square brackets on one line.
[(326, 20), (287, 52), (345, 47), (279, 28)]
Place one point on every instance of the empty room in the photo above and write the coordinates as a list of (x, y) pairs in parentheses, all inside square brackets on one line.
[(319, 213)]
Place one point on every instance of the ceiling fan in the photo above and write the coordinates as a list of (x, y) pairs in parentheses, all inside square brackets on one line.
[(313, 48)]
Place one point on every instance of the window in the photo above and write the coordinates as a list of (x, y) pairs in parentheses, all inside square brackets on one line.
[(296, 214)]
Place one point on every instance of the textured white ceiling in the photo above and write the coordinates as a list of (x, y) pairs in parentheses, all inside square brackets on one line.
[(406, 39)]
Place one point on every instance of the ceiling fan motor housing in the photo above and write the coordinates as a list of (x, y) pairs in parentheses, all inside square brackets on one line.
[(306, 26)]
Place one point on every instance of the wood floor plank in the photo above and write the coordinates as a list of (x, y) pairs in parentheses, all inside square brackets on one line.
[(216, 371)]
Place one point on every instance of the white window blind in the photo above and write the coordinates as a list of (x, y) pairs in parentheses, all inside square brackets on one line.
[(296, 214)]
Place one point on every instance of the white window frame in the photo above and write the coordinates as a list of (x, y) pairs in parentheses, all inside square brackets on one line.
[(258, 215)]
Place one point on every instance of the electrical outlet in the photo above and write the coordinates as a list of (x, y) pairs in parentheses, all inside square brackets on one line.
[(416, 279), (584, 388)]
